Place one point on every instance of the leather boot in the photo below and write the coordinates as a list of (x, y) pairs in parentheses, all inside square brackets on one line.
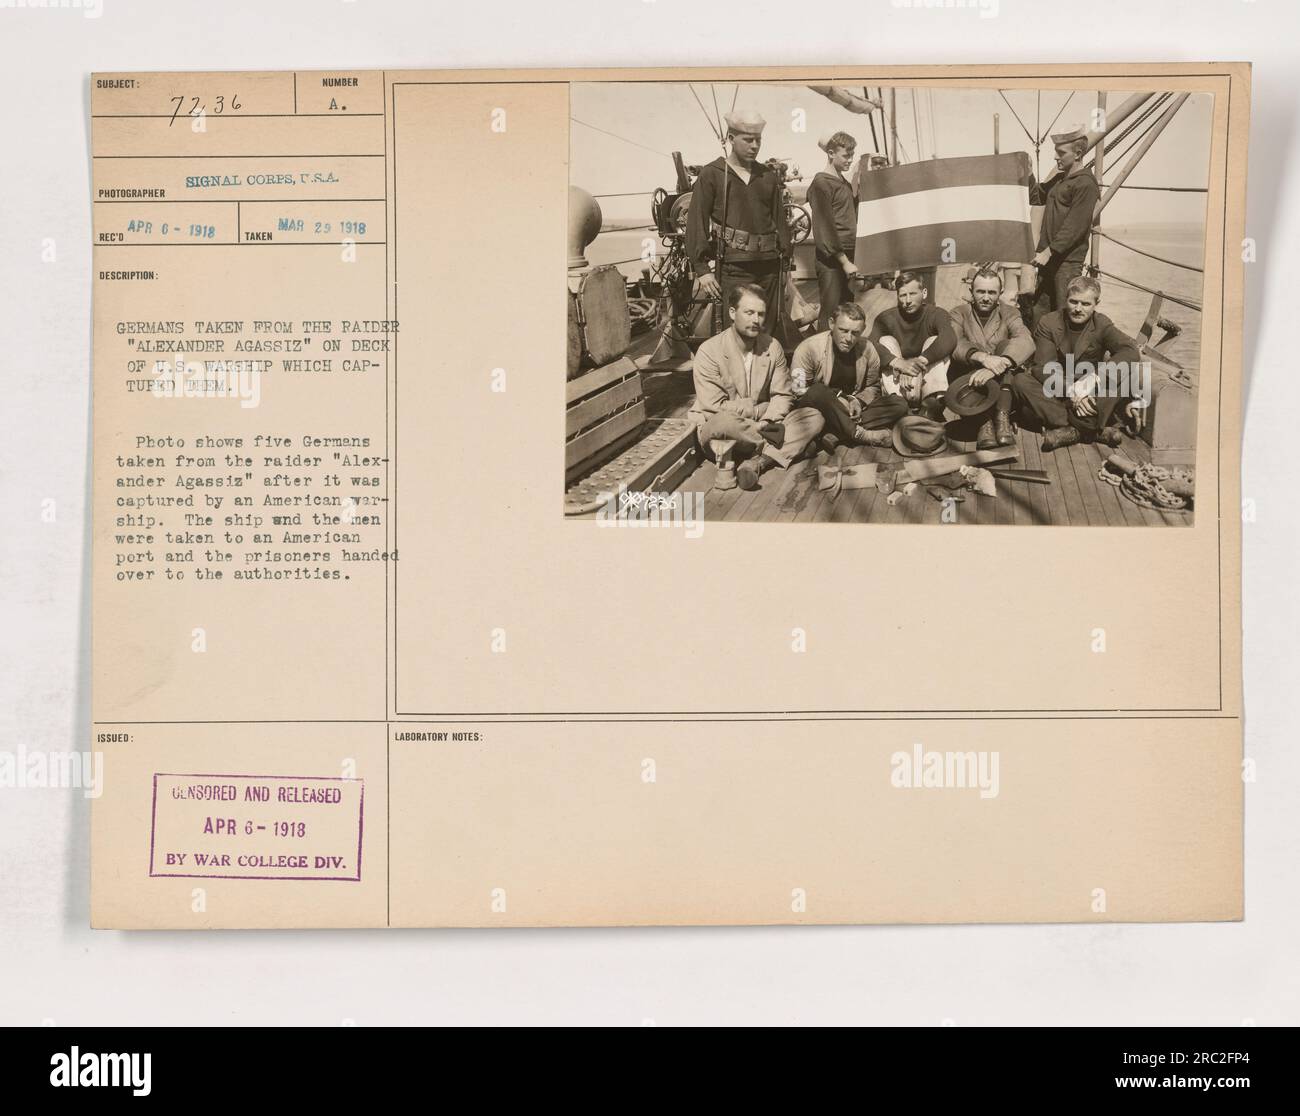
[(1110, 436), (986, 439), (1003, 430), (751, 469), (873, 437), (1054, 437)]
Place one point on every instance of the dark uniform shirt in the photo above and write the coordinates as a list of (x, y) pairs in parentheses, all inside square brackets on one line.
[(844, 371), (756, 207), (834, 215), (1067, 220)]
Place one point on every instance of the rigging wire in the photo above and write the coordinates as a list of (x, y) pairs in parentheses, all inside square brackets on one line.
[(1167, 189), (1012, 107), (934, 130), (1149, 255), (618, 137), (713, 90), (1128, 129), (712, 127), (1190, 304), (1056, 117), (1144, 119)]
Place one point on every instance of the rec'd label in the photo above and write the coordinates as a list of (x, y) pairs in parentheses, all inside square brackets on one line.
[(256, 827)]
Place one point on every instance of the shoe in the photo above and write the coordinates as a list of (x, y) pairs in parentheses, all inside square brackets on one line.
[(751, 469), (1003, 430), (830, 443), (932, 408), (1110, 436), (986, 439), (873, 437), (1054, 437)]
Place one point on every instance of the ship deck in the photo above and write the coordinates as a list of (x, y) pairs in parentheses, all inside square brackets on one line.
[(1075, 496)]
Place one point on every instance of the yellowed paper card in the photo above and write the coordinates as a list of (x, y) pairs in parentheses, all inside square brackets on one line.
[(509, 509)]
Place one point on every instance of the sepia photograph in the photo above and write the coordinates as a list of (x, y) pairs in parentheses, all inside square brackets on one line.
[(874, 304)]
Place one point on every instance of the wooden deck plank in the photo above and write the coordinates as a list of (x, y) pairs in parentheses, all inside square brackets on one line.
[(780, 493), (1023, 509), (739, 511), (1041, 495), (1075, 496), (1111, 500), (1058, 514), (1009, 498), (1079, 516), (1085, 475)]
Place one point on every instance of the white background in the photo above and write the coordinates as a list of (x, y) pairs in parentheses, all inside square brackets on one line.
[(53, 968)]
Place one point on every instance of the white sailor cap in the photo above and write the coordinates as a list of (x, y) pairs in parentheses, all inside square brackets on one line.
[(1073, 132), (747, 121)]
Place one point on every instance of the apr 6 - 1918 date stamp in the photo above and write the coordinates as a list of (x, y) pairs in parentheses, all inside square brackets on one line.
[(256, 827)]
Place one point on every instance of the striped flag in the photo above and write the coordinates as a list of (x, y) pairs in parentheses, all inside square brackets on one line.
[(979, 203)]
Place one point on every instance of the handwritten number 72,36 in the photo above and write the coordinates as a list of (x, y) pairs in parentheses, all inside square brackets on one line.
[(197, 108)]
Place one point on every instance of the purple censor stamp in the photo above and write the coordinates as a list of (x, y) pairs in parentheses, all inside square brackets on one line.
[(256, 827)]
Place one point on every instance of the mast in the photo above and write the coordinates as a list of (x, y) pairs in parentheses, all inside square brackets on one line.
[(893, 124), (1098, 162)]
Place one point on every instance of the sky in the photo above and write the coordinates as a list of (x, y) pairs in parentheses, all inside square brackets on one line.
[(656, 118)]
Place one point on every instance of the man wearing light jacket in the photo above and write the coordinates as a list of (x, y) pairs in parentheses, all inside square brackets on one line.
[(992, 343), (838, 374), (743, 392)]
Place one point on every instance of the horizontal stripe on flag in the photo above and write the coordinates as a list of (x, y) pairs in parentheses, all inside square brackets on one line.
[(944, 204), (1011, 169), (923, 245)]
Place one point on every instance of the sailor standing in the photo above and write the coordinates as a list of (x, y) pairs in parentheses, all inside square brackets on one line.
[(1067, 222), (835, 225), (747, 241)]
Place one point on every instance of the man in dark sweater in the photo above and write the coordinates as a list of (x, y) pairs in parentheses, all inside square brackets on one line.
[(915, 342), (751, 238), (1067, 222), (835, 225)]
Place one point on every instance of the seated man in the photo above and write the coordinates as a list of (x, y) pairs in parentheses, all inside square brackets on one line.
[(993, 342), (914, 342), (1083, 368), (838, 374), (743, 392)]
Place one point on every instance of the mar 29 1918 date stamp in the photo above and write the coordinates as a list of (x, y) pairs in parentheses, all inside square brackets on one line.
[(256, 827)]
